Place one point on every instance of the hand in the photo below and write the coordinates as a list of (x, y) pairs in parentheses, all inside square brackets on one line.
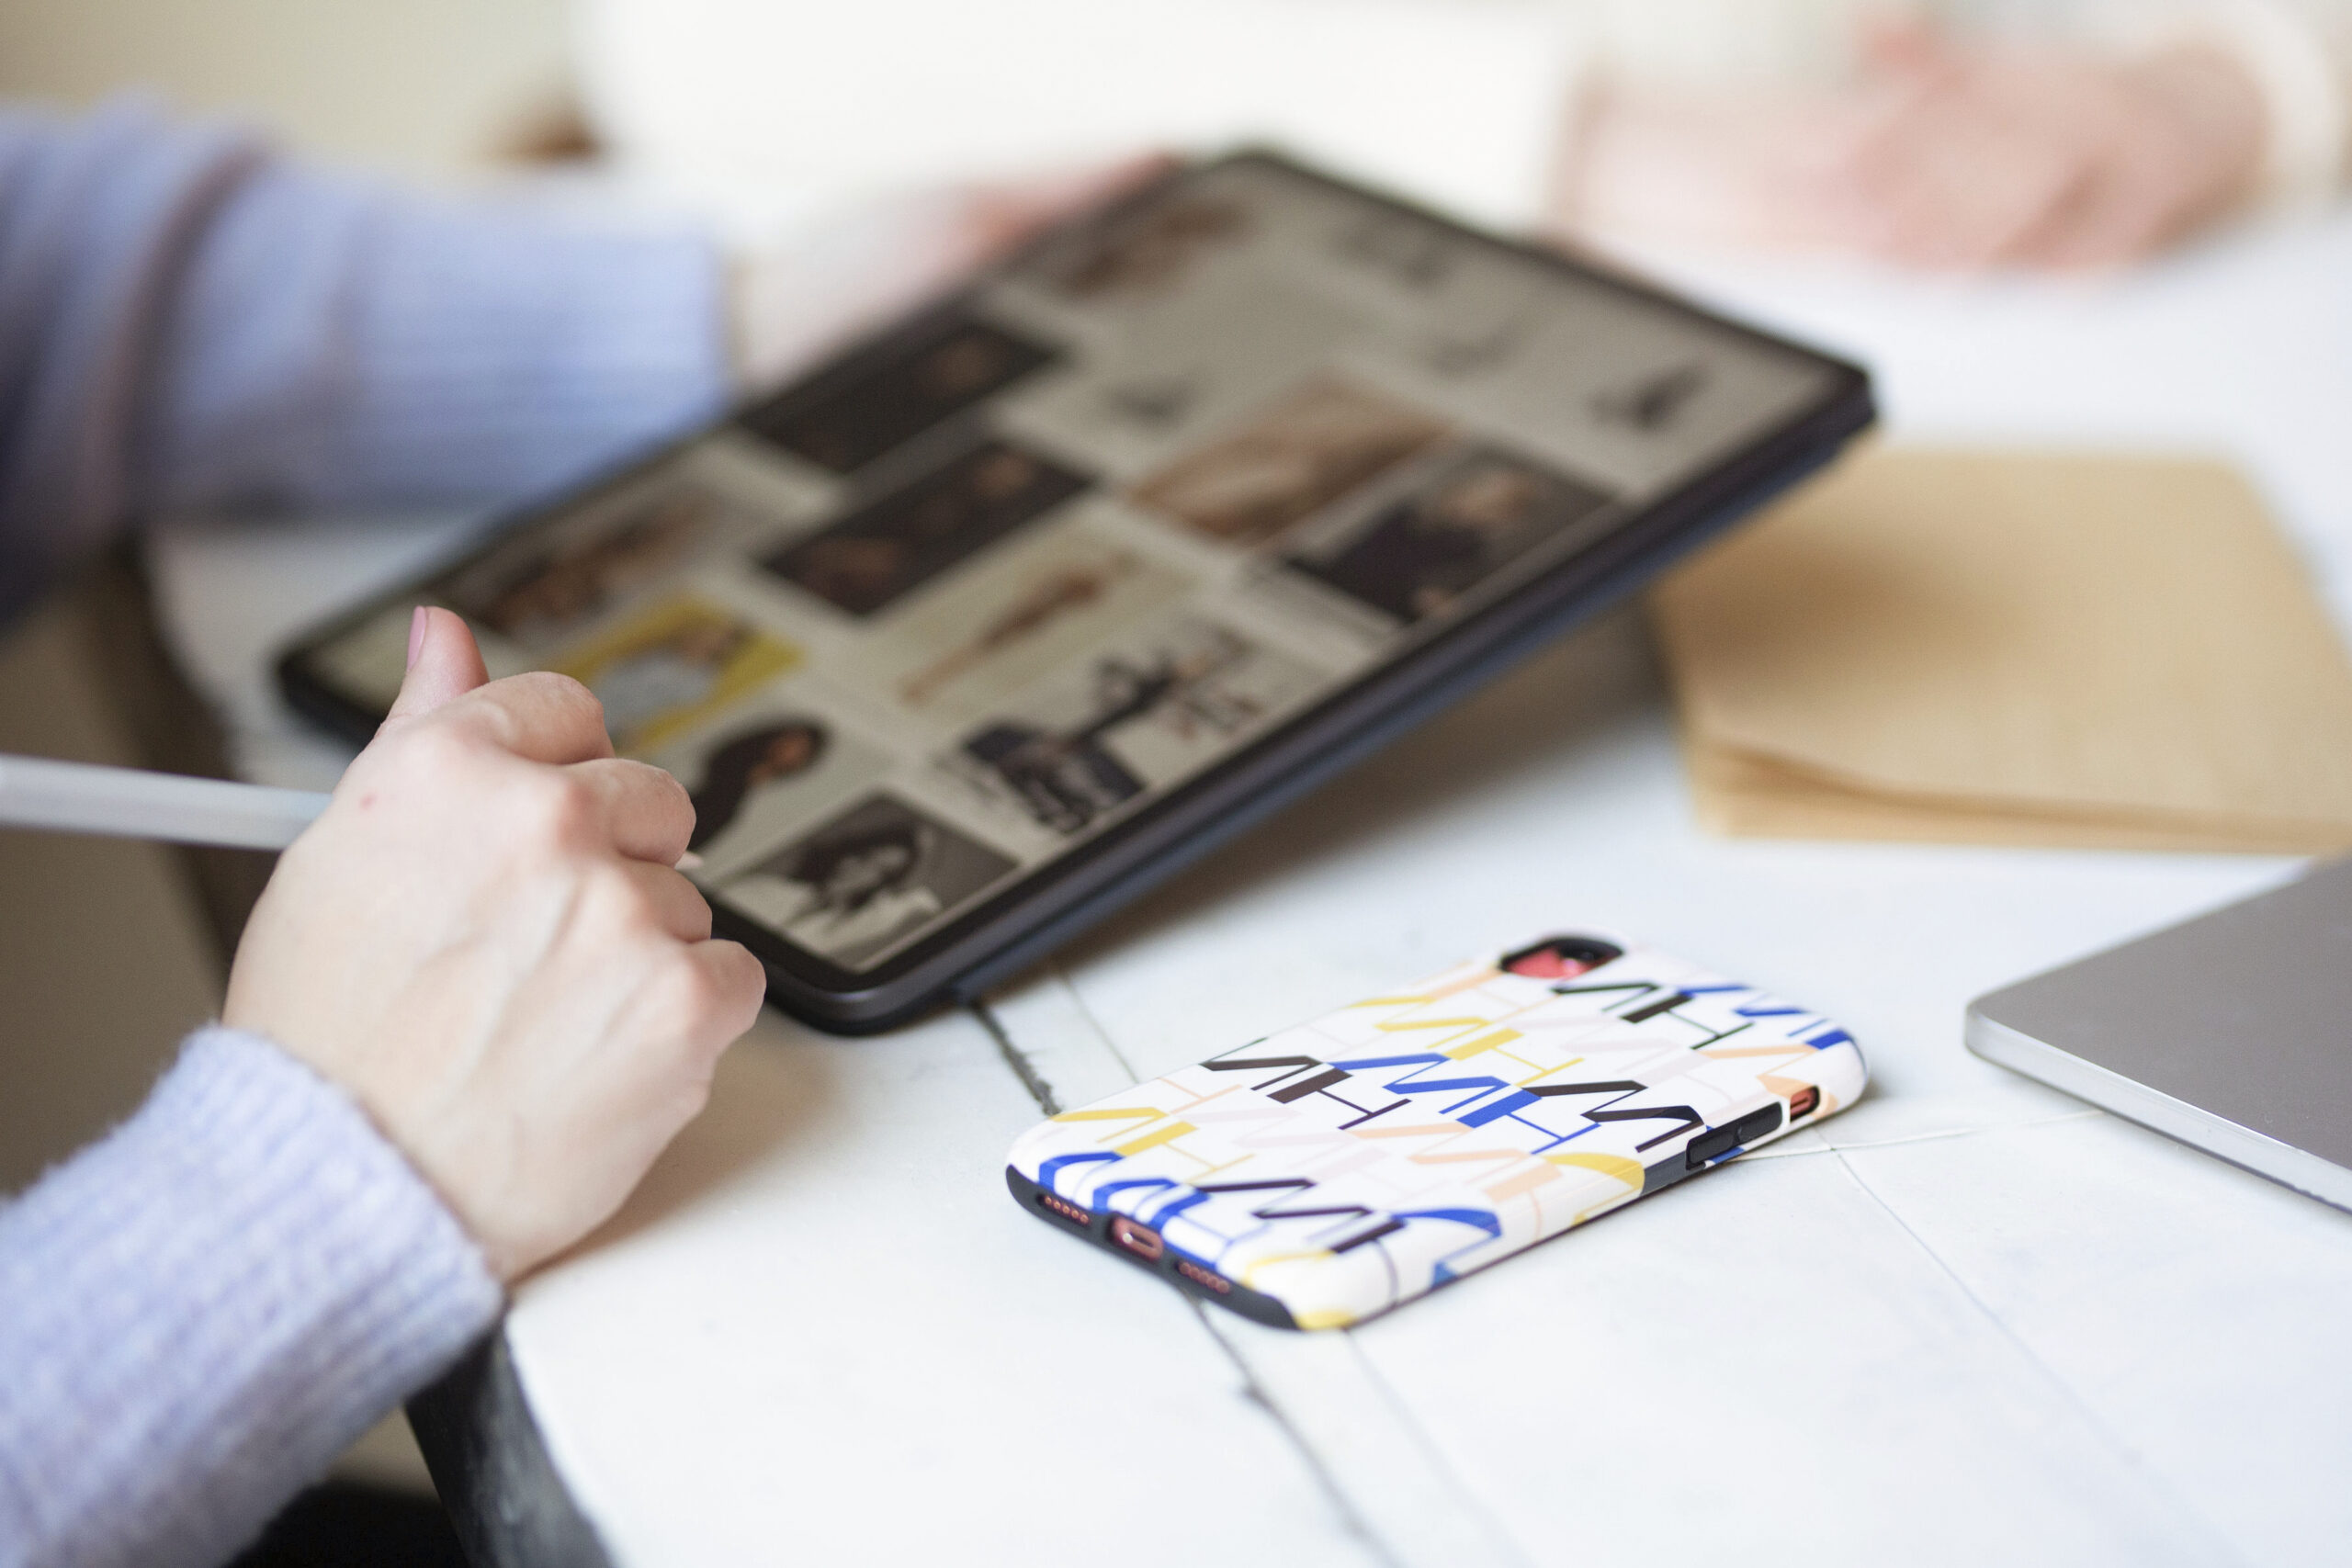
[(1940, 158), (791, 304), (484, 941)]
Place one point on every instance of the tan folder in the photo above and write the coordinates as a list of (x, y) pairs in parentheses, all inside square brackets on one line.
[(2001, 648)]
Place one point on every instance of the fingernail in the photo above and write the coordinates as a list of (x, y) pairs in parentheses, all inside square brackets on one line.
[(416, 624), (689, 862)]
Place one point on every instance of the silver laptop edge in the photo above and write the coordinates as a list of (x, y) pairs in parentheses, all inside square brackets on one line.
[(2158, 1111)]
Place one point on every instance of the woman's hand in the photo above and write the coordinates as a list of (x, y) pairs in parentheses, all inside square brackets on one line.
[(484, 941), (791, 305), (1942, 157)]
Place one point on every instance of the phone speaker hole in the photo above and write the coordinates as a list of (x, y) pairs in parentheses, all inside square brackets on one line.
[(1204, 1279), (1065, 1208)]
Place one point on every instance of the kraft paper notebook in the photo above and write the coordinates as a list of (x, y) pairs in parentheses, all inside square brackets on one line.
[(2051, 649)]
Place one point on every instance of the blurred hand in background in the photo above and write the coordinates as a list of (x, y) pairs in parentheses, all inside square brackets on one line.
[(791, 302), (1948, 134), (1939, 156)]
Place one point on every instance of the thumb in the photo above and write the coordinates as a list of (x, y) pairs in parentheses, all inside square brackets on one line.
[(442, 663)]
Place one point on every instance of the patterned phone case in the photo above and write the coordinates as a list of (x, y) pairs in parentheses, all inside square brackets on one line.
[(1340, 1169)]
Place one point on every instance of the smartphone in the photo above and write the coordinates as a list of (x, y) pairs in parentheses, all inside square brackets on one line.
[(1324, 1175), (988, 625)]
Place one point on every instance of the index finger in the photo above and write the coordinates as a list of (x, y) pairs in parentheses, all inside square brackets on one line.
[(543, 716)]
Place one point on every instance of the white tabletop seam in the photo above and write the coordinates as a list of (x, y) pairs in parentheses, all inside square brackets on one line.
[(2164, 1489), (1293, 1361), (1828, 1147)]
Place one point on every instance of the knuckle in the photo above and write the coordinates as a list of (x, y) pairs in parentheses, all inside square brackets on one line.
[(691, 911), (572, 701), (658, 796), (672, 792), (682, 991), (729, 984), (432, 751), (527, 712), (629, 910), (741, 980), (572, 806), (691, 1091), (637, 906), (484, 715), (422, 763), (554, 807)]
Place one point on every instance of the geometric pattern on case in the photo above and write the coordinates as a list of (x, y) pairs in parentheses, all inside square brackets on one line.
[(1319, 1176)]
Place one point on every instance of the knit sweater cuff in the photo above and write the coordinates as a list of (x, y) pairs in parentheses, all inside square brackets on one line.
[(199, 1311)]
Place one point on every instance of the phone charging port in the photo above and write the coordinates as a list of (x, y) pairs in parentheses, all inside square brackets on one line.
[(1141, 1240)]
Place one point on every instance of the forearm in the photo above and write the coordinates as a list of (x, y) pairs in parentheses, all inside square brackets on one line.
[(334, 342), (97, 219), (187, 321), (197, 1313)]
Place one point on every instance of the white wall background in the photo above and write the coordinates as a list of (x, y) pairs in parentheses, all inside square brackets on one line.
[(436, 89)]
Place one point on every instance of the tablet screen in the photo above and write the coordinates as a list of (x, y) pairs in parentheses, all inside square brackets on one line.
[(934, 619)]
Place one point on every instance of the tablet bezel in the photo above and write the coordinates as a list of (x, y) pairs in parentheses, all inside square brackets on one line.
[(1086, 882)]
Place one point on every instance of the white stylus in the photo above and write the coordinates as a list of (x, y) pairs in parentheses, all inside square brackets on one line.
[(126, 802), (83, 797)]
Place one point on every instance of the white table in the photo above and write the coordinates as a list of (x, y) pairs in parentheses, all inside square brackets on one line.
[(1968, 1321)]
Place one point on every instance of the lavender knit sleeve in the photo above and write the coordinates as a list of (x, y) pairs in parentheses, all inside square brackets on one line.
[(187, 321), (200, 1311), (337, 341)]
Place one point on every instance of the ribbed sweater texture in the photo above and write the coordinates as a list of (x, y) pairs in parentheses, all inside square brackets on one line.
[(200, 1311)]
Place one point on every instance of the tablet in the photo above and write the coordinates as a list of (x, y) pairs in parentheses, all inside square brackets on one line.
[(1011, 609)]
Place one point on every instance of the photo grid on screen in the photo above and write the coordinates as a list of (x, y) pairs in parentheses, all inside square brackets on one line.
[(917, 627)]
